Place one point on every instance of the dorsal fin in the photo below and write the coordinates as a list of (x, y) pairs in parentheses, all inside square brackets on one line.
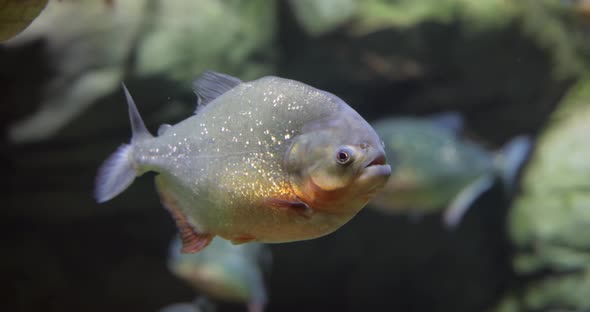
[(211, 85), (138, 129), (449, 120)]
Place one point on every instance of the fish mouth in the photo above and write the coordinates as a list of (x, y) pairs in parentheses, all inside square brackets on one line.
[(377, 161), (374, 176), (377, 167)]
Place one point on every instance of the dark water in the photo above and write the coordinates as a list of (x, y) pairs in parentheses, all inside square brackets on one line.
[(63, 252)]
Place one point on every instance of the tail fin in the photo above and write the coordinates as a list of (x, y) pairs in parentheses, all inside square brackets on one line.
[(118, 171), (115, 175), (510, 160)]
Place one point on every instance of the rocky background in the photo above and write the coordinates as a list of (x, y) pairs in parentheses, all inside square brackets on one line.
[(509, 66)]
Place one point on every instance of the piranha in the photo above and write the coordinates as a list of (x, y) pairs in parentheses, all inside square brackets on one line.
[(272, 160), (437, 168), (225, 271)]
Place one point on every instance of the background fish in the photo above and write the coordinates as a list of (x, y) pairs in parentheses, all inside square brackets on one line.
[(225, 271), (272, 160), (184, 307), (436, 168)]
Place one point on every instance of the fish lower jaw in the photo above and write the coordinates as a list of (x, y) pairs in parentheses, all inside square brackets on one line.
[(372, 180)]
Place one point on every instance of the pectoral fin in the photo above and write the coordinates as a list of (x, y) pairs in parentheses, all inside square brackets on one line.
[(465, 199), (295, 206), (192, 241)]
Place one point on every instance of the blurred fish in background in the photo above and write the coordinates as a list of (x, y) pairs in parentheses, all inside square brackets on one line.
[(224, 272), (104, 36), (112, 39), (185, 307), (438, 169)]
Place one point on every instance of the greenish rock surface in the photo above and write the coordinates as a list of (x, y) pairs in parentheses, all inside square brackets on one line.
[(184, 38), (559, 293), (94, 45), (552, 24), (549, 223), (379, 14), (428, 56), (321, 17), (87, 44)]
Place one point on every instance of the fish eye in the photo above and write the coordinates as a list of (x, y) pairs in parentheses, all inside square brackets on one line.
[(344, 155)]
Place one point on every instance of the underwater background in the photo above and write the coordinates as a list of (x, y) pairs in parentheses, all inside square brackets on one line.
[(508, 67)]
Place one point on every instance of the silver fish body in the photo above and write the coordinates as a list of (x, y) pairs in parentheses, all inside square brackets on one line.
[(257, 162)]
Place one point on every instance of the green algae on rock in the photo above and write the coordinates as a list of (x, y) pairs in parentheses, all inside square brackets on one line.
[(549, 223), (320, 17), (192, 30), (94, 45)]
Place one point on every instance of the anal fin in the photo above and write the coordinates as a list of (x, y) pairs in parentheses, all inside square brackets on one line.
[(192, 241)]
